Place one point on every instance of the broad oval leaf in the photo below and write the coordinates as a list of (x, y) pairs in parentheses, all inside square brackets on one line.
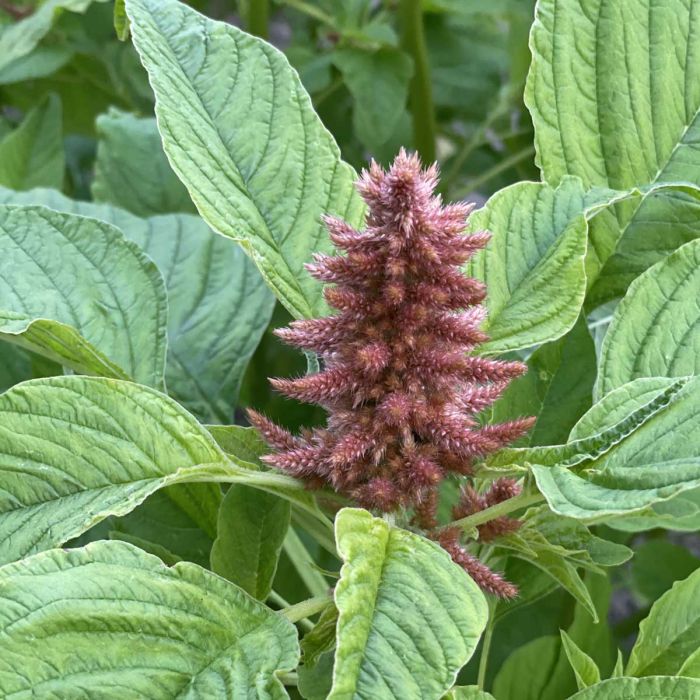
[(655, 331), (670, 633), (409, 617), (534, 265), (74, 289), (652, 464), (219, 305), (251, 529), (111, 621), (241, 133), (653, 688)]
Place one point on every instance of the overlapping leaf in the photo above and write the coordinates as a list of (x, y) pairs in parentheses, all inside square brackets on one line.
[(110, 620), (219, 306), (655, 331), (74, 289), (74, 450)]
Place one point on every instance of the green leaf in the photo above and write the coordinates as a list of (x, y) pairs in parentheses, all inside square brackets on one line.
[(596, 118), (20, 38), (74, 450), (378, 81), (657, 564), (655, 331), (121, 622), (614, 100), (670, 633), (557, 388), (409, 617), (655, 688), (652, 464), (76, 291), (131, 169), (534, 266), (681, 513), (252, 527), (585, 669), (214, 326), (240, 132), (32, 155)]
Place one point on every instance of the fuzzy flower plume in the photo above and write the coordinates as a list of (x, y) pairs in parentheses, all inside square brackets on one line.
[(399, 380)]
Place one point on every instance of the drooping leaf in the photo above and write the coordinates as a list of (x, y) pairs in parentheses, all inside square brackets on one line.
[(681, 513), (74, 450), (75, 290), (614, 97), (409, 617), (585, 669), (110, 619), (240, 132), (378, 81), (131, 170), (655, 688), (670, 633), (655, 331), (219, 306), (252, 527), (650, 465), (32, 155)]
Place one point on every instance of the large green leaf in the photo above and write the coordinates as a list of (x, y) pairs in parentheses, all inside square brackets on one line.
[(219, 305), (111, 621), (409, 617), (613, 90), (252, 527), (240, 132), (655, 331), (131, 169), (614, 95), (32, 154), (670, 633), (74, 450), (658, 460), (534, 266), (75, 290), (654, 688)]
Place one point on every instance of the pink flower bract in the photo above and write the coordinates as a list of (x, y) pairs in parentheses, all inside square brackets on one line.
[(399, 379)]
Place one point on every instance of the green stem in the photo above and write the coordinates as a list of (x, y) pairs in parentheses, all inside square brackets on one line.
[(503, 508), (304, 564), (282, 603), (486, 647), (258, 18), (297, 612), (497, 169), (288, 678), (420, 90)]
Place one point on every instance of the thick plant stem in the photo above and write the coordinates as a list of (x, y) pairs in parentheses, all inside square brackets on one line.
[(258, 18), (297, 612), (421, 92), (503, 508)]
